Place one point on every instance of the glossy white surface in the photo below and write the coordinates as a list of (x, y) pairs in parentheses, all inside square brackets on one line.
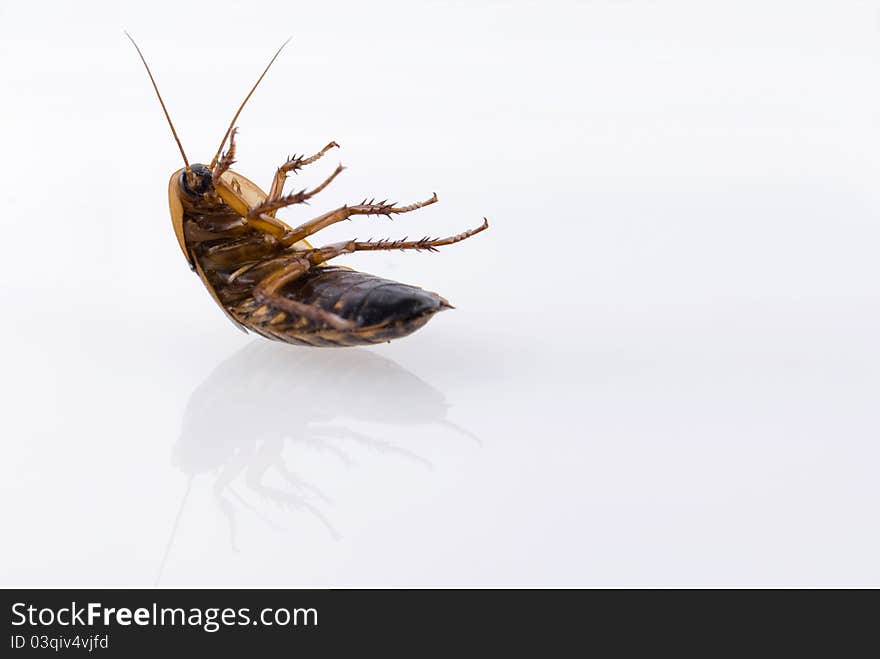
[(663, 368)]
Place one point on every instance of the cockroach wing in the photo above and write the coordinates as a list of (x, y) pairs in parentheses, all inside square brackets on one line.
[(176, 209)]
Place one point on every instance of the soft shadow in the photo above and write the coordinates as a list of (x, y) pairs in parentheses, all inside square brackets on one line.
[(239, 420)]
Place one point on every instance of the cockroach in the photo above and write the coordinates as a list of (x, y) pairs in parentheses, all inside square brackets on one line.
[(266, 276)]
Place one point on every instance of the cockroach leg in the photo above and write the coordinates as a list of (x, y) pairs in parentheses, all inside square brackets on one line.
[(293, 164), (270, 206), (340, 214), (426, 243), (226, 160), (323, 254), (231, 193), (267, 292)]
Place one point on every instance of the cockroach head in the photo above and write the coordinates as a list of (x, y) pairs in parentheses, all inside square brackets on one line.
[(197, 181)]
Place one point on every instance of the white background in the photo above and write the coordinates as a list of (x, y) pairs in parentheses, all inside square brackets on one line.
[(664, 364)]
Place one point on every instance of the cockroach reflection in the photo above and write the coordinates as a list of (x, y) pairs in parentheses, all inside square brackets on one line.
[(266, 276), (338, 407)]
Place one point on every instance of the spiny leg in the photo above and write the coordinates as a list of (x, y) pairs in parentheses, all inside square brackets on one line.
[(226, 159), (340, 214), (268, 292), (271, 205), (293, 164), (426, 243), (230, 191), (262, 216), (322, 254)]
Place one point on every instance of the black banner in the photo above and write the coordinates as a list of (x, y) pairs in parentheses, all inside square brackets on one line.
[(129, 623)]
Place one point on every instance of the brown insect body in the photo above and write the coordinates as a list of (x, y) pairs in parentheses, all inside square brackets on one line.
[(232, 257), (266, 276)]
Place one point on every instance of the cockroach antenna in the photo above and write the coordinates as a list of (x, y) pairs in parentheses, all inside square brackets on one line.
[(162, 103), (246, 99)]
